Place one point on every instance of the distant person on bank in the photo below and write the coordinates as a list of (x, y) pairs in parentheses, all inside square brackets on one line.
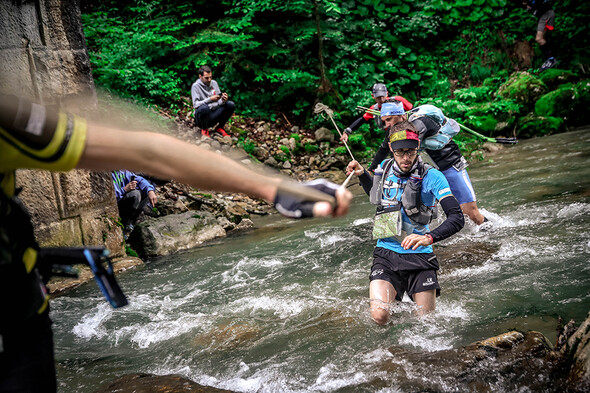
[(133, 194), (211, 105), (543, 9)]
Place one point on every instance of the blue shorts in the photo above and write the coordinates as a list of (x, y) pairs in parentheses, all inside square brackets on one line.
[(460, 185)]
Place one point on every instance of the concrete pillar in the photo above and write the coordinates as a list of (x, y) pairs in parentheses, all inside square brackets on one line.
[(43, 57)]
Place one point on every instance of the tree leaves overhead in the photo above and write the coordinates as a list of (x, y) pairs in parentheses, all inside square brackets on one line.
[(266, 53)]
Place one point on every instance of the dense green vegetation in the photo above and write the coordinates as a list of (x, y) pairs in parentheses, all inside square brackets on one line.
[(281, 56)]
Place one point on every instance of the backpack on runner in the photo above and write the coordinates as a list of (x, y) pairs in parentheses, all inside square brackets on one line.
[(448, 128)]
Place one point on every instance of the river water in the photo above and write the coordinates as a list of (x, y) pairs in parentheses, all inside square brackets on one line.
[(284, 308)]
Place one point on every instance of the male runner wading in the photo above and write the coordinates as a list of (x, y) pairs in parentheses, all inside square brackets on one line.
[(405, 190)]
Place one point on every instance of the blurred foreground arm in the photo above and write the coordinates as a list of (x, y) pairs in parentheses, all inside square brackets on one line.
[(169, 158), (37, 137)]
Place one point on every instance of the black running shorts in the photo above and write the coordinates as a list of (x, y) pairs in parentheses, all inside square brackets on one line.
[(410, 273)]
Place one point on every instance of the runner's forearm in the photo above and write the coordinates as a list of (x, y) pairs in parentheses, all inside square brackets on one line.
[(110, 149), (357, 123), (454, 222), (366, 181)]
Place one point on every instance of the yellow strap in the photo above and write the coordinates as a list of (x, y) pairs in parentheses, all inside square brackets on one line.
[(44, 305), (30, 259)]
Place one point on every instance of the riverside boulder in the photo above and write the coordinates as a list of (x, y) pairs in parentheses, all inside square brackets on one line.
[(577, 352), (324, 135), (523, 87), (168, 234)]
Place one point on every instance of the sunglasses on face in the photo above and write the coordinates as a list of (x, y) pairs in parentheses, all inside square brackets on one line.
[(403, 152)]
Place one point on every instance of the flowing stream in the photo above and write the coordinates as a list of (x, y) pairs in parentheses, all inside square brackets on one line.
[(284, 308)]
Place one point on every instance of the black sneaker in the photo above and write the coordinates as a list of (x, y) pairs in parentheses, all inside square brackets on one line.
[(550, 62)]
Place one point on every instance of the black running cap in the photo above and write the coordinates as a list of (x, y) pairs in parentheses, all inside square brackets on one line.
[(379, 90)]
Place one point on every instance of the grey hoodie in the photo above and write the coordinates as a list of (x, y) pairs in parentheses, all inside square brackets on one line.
[(201, 94)]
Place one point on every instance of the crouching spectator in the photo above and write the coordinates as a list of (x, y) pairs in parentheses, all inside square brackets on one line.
[(211, 105), (133, 194)]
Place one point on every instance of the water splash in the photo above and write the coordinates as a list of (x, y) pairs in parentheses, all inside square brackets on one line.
[(92, 324)]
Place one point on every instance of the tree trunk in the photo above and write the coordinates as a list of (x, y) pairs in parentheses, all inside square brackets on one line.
[(325, 85)]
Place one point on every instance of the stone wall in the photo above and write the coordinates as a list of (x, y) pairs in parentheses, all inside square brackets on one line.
[(43, 57)]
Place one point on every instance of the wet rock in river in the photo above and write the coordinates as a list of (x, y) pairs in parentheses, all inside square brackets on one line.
[(149, 383), (578, 351), (224, 337), (501, 363), (464, 254)]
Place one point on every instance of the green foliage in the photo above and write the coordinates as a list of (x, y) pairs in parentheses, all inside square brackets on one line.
[(341, 150), (203, 195), (357, 141), (523, 87), (570, 101), (579, 114), (265, 53), (556, 103), (285, 150), (248, 145), (492, 118), (468, 144), (533, 125), (131, 252), (486, 124), (553, 77), (310, 148), (470, 95)]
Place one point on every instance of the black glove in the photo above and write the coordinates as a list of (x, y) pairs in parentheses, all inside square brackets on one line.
[(296, 200)]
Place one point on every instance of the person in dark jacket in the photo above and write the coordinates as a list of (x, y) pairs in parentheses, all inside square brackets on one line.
[(380, 95)]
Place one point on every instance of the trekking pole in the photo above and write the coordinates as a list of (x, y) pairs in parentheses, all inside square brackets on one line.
[(508, 141), (321, 108), (371, 111), (343, 185), (485, 138)]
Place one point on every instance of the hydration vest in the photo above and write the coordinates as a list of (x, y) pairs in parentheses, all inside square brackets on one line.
[(448, 128), (416, 211)]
